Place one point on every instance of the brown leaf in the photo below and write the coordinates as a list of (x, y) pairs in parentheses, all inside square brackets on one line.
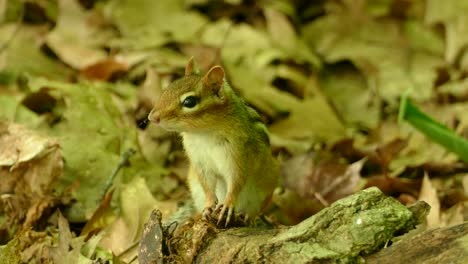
[(38, 208), (105, 70), (384, 154), (102, 217), (293, 208), (394, 186), (68, 249), (325, 180), (35, 246), (29, 165), (343, 184), (381, 154)]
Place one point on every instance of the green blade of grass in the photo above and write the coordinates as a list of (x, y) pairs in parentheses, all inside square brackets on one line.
[(433, 129)]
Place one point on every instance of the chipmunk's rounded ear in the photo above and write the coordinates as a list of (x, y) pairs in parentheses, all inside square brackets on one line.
[(214, 78), (190, 67)]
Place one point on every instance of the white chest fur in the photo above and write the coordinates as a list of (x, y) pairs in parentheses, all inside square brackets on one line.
[(209, 154)]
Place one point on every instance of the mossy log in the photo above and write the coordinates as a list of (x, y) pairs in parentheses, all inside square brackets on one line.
[(441, 245), (350, 228)]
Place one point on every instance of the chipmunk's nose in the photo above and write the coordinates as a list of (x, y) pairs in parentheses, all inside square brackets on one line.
[(154, 117)]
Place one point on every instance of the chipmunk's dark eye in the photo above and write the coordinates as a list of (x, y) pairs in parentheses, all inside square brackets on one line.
[(190, 101)]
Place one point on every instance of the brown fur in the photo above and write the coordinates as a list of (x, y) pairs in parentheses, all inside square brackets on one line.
[(244, 166)]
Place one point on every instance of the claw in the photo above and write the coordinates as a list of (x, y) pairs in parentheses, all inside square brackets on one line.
[(228, 217), (221, 214), (246, 218)]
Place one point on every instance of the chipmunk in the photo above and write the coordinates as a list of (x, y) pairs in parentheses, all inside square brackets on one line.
[(232, 170)]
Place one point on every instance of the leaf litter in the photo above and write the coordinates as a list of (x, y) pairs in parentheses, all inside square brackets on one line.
[(77, 81)]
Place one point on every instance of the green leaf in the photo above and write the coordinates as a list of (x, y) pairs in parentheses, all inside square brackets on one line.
[(433, 130), (23, 54), (148, 23)]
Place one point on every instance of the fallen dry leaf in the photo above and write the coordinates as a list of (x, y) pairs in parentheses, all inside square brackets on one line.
[(35, 246), (127, 228), (106, 70), (311, 119), (29, 166), (23, 54), (293, 208), (316, 72), (20, 145), (453, 216), (453, 17), (465, 183), (60, 253), (102, 217), (395, 186), (327, 181), (428, 194), (69, 248), (77, 39), (379, 154)]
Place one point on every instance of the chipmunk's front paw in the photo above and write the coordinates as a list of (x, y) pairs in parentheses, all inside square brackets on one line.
[(225, 209), (224, 216), (210, 207), (207, 213)]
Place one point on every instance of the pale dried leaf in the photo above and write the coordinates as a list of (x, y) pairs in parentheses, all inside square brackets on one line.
[(280, 29), (136, 203), (453, 15), (68, 249), (75, 38), (116, 237), (465, 184), (29, 163), (453, 216), (428, 194)]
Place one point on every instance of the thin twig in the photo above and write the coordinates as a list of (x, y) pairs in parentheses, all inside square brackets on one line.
[(125, 157)]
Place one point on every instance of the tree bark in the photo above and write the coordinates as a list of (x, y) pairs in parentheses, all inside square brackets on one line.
[(441, 245)]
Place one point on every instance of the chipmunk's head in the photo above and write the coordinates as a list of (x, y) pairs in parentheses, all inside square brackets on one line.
[(193, 102)]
